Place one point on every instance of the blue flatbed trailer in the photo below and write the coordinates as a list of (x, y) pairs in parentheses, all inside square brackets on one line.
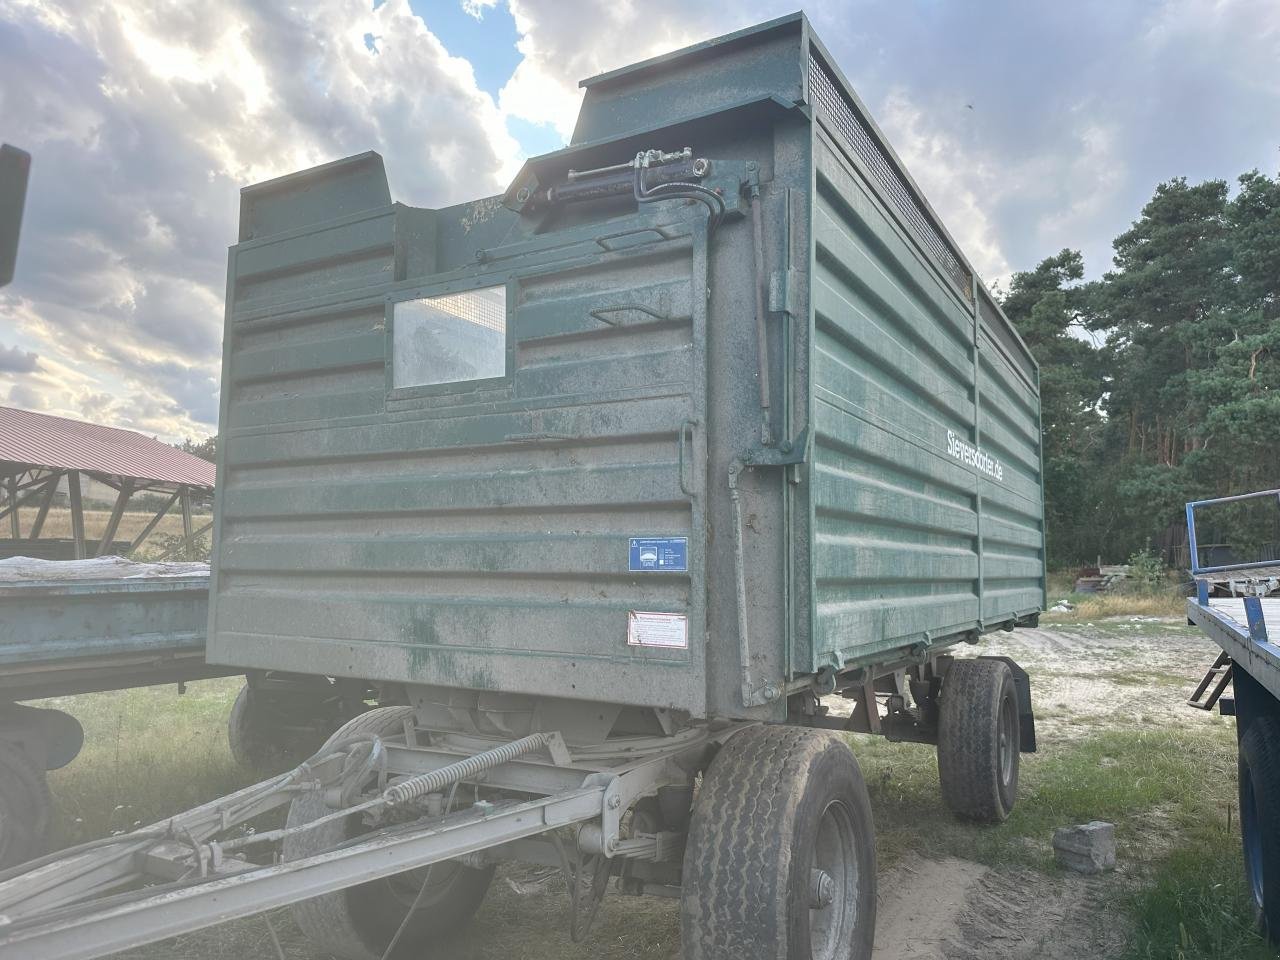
[(88, 626), (83, 627), (1237, 605)]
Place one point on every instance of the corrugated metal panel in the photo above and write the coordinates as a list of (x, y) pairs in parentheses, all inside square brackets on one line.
[(843, 114), (895, 518), (42, 440), (1012, 508), (462, 536)]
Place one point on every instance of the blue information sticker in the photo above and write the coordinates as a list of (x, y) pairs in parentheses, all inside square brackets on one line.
[(659, 555)]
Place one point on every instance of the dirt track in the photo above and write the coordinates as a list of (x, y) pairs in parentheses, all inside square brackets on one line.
[(1122, 673)]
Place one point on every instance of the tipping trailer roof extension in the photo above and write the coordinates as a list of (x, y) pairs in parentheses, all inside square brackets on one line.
[(562, 443), (705, 418)]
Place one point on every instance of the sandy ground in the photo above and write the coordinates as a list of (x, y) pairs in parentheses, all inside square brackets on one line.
[(1121, 672), (1118, 673), (956, 910), (1089, 676), (1085, 677)]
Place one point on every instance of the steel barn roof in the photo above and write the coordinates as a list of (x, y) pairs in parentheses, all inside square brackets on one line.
[(39, 439)]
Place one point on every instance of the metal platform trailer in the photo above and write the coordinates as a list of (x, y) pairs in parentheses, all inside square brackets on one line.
[(1236, 608), (83, 627), (89, 626), (609, 483)]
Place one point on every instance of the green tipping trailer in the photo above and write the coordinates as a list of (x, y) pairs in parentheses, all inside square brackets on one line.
[(704, 420), (446, 430)]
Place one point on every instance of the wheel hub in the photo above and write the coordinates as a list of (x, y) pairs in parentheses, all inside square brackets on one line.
[(822, 889), (833, 885)]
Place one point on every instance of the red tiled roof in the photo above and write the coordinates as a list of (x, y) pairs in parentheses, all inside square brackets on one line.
[(41, 440)]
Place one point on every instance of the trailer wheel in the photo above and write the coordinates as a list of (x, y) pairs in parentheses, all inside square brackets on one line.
[(978, 740), (256, 734), (1259, 768), (24, 806), (780, 860), (359, 922), (247, 736)]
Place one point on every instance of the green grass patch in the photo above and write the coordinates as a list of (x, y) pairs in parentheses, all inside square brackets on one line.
[(1120, 776), (148, 753), (1197, 908)]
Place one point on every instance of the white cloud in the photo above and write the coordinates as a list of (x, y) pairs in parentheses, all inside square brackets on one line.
[(563, 43), (144, 121), (958, 181), (477, 8)]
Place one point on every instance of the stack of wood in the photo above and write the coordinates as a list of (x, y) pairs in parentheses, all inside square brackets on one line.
[(1101, 578)]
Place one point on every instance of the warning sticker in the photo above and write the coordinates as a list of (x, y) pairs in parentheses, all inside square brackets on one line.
[(657, 629)]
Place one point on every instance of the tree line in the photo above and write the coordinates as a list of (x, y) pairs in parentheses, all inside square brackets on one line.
[(1160, 381)]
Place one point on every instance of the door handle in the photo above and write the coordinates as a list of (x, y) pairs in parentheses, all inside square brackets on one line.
[(686, 430)]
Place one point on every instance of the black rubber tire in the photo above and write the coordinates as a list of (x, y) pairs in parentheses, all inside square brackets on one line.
[(247, 734), (978, 740), (1259, 769), (359, 922), (753, 841), (254, 733), (25, 806)]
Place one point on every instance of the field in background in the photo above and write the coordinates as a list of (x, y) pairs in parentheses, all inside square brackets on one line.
[(1116, 744), (58, 525)]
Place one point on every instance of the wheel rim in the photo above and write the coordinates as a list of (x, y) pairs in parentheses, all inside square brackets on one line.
[(1008, 740), (833, 885), (1252, 838)]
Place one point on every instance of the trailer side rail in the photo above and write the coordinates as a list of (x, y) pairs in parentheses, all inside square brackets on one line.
[(1243, 623)]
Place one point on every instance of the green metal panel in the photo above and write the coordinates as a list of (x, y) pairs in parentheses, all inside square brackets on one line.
[(927, 520), (476, 534)]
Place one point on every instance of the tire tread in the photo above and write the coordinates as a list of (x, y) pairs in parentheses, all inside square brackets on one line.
[(968, 740)]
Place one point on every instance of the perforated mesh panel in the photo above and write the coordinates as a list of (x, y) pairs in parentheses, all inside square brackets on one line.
[(998, 327), (845, 118)]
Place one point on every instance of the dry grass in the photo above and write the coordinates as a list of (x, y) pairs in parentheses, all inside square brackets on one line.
[(1167, 605), (1166, 601), (58, 523)]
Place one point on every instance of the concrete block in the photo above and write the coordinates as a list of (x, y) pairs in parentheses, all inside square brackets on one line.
[(1086, 848)]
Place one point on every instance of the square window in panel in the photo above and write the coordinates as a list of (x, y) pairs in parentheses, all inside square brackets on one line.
[(451, 338)]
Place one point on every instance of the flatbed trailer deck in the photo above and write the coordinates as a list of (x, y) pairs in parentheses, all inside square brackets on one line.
[(1235, 608), (72, 627), (86, 626)]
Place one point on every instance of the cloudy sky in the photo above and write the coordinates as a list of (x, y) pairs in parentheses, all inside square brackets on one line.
[(1030, 125)]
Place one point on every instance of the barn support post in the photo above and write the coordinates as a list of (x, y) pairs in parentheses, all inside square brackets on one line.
[(77, 512), (113, 524), (15, 528), (51, 487), (186, 513), (153, 522)]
